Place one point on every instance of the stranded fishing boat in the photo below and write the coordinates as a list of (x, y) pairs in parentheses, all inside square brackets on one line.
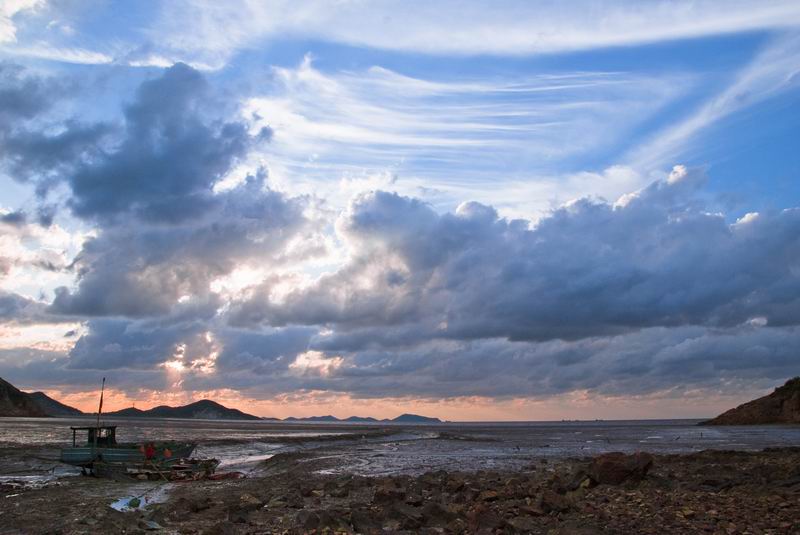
[(101, 449), (101, 446)]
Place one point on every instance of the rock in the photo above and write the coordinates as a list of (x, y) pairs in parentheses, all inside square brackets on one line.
[(552, 501), (615, 468), (525, 524), (276, 503), (408, 517), (332, 519), (455, 484), (307, 519), (250, 502), (414, 499), (534, 509), (200, 505), (238, 516), (434, 514), (387, 494), (482, 518), (364, 521), (488, 496), (149, 525)]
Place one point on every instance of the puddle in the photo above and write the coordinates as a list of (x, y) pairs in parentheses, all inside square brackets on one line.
[(139, 502)]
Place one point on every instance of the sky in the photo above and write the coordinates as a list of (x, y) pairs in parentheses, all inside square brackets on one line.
[(514, 210)]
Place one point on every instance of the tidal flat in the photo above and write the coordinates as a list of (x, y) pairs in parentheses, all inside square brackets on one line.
[(444, 478)]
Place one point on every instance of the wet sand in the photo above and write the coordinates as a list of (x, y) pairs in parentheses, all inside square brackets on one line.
[(429, 479)]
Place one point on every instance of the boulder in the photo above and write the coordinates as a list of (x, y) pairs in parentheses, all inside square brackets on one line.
[(484, 519), (615, 468), (307, 519), (364, 521), (551, 501)]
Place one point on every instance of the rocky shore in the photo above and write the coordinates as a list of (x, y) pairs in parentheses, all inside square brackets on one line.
[(722, 492)]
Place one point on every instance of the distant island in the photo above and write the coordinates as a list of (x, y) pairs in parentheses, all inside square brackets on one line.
[(15, 402), (780, 407), (403, 418)]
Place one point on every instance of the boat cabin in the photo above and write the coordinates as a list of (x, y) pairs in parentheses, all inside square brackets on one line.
[(104, 435)]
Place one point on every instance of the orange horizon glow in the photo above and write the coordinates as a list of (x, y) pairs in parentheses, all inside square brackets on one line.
[(572, 406)]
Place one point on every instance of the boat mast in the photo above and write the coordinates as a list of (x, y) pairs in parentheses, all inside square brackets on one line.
[(100, 408)]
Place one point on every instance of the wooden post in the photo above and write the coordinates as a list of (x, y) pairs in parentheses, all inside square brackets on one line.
[(100, 408)]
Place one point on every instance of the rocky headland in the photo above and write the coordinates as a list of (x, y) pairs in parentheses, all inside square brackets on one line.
[(780, 407)]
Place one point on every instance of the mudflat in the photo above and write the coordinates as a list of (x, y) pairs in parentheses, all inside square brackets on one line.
[(456, 479)]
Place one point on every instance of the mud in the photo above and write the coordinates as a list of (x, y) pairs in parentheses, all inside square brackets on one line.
[(405, 481)]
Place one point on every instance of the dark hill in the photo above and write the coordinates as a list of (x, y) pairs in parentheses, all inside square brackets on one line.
[(201, 410), (14, 402), (52, 407), (360, 419), (416, 419), (403, 419), (327, 418), (780, 407)]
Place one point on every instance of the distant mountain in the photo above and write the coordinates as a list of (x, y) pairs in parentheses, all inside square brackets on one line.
[(52, 407), (327, 418), (201, 410), (130, 412), (14, 402), (416, 419), (403, 419), (780, 407), (361, 419)]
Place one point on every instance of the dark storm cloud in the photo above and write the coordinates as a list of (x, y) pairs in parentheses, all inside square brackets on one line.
[(37, 369), (165, 234), (642, 362), (31, 147), (588, 269), (23, 96), (262, 353), (20, 310), (16, 308), (169, 157), (143, 270), (116, 343), (14, 218)]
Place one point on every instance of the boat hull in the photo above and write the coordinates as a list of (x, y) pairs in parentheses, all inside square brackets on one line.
[(85, 456)]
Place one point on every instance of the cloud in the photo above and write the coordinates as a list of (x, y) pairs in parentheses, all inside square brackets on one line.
[(8, 10), (457, 133), (649, 295), (139, 269), (643, 362), (34, 147), (168, 158), (212, 32), (80, 56), (656, 258), (774, 70)]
